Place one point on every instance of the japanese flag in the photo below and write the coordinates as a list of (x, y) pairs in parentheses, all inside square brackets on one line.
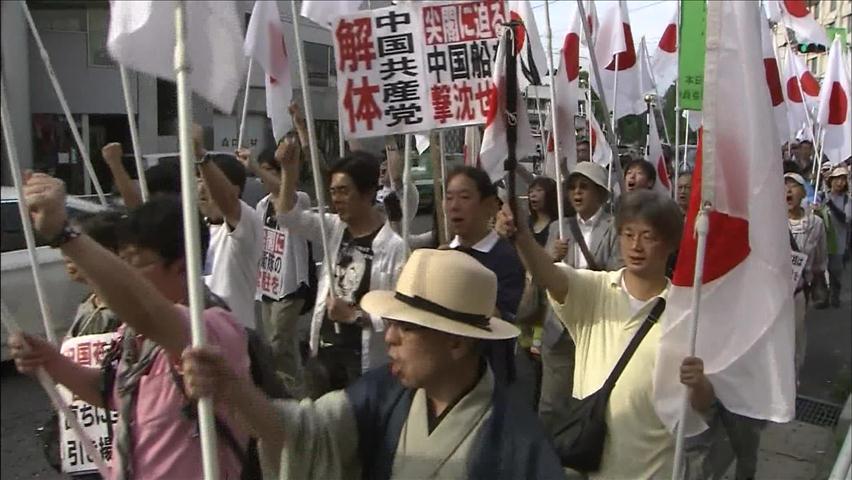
[(142, 37), (802, 85), (646, 74), (601, 151), (796, 15), (656, 157), (324, 12), (494, 151), (664, 63), (797, 106), (265, 43), (566, 83), (773, 82), (528, 43), (745, 333), (835, 115), (616, 54), (592, 21)]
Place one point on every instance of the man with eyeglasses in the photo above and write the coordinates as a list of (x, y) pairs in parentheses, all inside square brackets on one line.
[(154, 438), (435, 412)]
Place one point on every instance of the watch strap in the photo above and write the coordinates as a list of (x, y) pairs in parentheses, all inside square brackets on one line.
[(68, 233)]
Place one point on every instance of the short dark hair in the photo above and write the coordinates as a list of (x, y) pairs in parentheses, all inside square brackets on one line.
[(806, 141), (267, 157), (163, 178), (646, 167), (362, 167), (232, 168), (481, 179), (103, 227), (658, 210), (790, 166), (158, 225), (583, 140)]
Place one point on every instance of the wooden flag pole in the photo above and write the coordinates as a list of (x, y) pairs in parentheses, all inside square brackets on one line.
[(134, 134), (75, 132), (191, 233), (554, 126), (615, 152), (242, 128)]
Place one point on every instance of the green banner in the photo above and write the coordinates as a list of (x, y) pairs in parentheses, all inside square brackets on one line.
[(691, 49), (832, 31)]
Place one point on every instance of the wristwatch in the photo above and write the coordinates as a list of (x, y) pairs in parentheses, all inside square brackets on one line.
[(69, 232)]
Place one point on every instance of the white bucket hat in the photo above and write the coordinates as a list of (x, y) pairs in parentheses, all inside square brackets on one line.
[(796, 178), (593, 172), (444, 290)]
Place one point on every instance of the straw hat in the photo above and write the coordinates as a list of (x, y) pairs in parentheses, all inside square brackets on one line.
[(444, 290), (593, 172)]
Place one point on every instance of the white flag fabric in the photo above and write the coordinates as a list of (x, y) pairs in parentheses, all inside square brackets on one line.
[(646, 74), (567, 85), (533, 62), (796, 15), (614, 47), (656, 158), (494, 150), (421, 142), (773, 82), (835, 115), (265, 43), (592, 21), (797, 105), (472, 145), (665, 58), (807, 87), (600, 148), (746, 329), (142, 37), (324, 12)]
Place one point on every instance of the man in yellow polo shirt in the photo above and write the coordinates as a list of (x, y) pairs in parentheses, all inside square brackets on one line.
[(602, 311)]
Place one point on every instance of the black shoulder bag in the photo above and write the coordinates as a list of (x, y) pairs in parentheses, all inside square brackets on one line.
[(574, 226), (579, 441)]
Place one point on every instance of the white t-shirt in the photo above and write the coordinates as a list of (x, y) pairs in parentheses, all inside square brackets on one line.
[(234, 256)]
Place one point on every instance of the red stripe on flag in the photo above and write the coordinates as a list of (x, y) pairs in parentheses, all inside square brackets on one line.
[(838, 105), (669, 41), (727, 239)]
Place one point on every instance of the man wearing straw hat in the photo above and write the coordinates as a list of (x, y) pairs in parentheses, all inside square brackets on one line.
[(434, 412)]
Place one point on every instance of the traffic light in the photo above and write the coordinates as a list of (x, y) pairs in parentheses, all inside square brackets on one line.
[(811, 48)]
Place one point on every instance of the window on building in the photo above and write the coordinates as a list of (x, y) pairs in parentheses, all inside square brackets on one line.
[(814, 62), (59, 20), (831, 5), (321, 67), (98, 24), (166, 108)]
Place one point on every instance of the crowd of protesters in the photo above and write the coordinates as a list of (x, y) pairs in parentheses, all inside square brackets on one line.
[(407, 367)]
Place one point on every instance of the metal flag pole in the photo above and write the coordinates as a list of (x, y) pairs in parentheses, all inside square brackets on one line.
[(554, 126), (59, 404), (29, 237), (818, 163), (614, 121), (702, 226), (191, 234), (685, 135), (648, 114), (609, 132), (312, 143), (84, 152), (134, 134), (242, 127), (406, 193), (446, 221), (677, 108)]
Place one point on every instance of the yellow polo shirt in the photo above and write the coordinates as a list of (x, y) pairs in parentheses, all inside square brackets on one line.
[(596, 312)]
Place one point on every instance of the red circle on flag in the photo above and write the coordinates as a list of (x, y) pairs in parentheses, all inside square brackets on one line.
[(626, 59), (796, 8), (793, 92), (809, 84), (838, 105), (520, 33), (669, 41), (571, 55), (773, 81)]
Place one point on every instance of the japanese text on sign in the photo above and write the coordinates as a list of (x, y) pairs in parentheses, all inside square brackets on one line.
[(89, 351), (271, 273), (418, 67)]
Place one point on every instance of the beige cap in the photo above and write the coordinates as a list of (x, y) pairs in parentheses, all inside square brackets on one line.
[(593, 172)]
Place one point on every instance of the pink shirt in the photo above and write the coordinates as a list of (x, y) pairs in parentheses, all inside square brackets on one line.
[(165, 442)]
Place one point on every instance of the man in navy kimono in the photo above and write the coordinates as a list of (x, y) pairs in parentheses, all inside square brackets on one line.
[(434, 412)]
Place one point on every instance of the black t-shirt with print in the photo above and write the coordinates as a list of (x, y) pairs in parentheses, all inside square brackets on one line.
[(351, 282)]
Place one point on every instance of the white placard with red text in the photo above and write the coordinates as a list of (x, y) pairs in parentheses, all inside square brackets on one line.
[(270, 276)]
